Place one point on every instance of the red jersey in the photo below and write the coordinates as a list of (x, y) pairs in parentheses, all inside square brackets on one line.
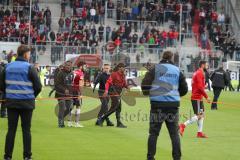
[(164, 34), (78, 75), (198, 85), (171, 35), (117, 42), (116, 79), (175, 34), (214, 16)]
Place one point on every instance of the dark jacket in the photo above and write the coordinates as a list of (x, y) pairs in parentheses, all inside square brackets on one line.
[(207, 76), (219, 79), (228, 75), (101, 79), (1, 67), (1, 80), (148, 81), (37, 87), (60, 84)]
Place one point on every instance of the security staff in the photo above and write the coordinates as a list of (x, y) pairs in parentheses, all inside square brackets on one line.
[(219, 81), (21, 86), (63, 93), (164, 83), (102, 79)]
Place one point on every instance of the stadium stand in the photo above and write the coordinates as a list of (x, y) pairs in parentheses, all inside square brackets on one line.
[(137, 28)]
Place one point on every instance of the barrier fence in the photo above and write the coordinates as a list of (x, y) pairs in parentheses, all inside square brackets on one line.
[(186, 58)]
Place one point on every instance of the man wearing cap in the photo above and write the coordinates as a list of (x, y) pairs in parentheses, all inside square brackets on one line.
[(114, 85), (164, 84), (21, 86)]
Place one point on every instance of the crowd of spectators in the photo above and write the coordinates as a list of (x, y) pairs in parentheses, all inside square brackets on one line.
[(15, 27), (158, 12), (152, 36), (215, 26), (84, 27)]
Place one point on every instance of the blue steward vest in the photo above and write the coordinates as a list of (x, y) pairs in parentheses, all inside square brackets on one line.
[(18, 85), (166, 83)]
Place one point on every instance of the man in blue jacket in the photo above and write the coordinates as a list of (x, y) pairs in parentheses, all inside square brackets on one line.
[(164, 83), (20, 84)]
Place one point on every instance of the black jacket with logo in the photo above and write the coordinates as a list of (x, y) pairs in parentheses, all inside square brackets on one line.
[(219, 79)]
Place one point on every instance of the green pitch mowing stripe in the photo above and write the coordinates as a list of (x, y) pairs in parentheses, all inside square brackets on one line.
[(95, 143)]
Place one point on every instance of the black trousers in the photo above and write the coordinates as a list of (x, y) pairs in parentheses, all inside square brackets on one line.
[(3, 110), (51, 92), (230, 87), (116, 105), (104, 104), (26, 118), (170, 116), (65, 107), (216, 91)]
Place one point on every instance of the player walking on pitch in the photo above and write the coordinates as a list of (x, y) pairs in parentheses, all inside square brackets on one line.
[(78, 83), (198, 92)]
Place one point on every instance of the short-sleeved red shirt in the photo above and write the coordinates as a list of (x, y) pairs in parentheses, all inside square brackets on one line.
[(78, 75), (198, 85)]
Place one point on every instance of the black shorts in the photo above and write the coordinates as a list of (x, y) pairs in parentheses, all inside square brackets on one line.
[(198, 106), (76, 100)]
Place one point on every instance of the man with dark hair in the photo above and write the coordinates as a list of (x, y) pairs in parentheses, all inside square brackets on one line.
[(164, 83), (114, 85), (219, 81), (63, 93), (21, 86), (77, 84), (101, 80), (198, 92)]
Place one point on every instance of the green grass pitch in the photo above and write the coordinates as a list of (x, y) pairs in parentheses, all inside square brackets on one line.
[(96, 143)]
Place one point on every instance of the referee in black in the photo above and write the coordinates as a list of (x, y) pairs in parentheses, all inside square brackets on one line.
[(219, 80), (164, 84), (20, 84)]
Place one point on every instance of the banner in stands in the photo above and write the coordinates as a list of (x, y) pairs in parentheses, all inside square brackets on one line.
[(92, 60), (134, 77)]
